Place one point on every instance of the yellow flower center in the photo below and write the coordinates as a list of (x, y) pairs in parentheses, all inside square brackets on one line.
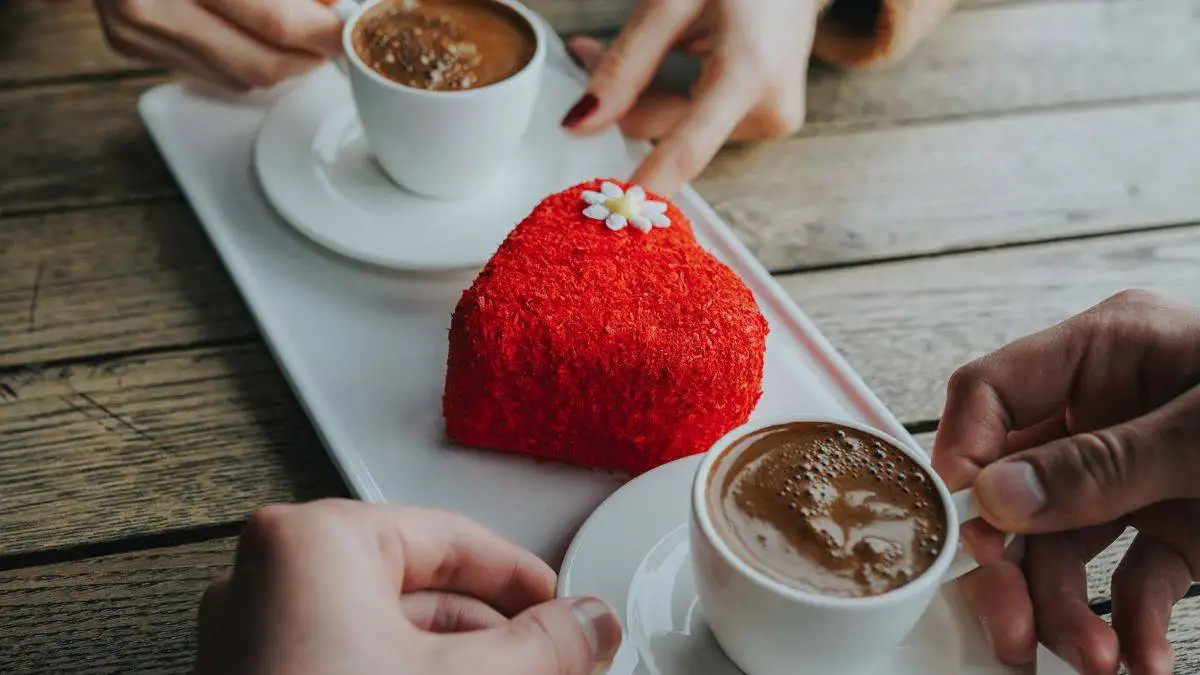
[(624, 205)]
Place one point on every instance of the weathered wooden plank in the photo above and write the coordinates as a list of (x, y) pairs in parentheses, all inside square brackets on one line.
[(135, 612), (77, 144), (127, 613), (1007, 56), (906, 326), (93, 281), (94, 452), (902, 192)]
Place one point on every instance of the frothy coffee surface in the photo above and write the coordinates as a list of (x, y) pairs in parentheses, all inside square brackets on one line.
[(444, 44), (827, 509)]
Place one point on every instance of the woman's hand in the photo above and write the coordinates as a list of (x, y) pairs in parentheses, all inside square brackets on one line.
[(238, 44), (1069, 436), (751, 85), (340, 586)]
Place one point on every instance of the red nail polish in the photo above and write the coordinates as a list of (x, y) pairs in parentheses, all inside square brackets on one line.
[(585, 107)]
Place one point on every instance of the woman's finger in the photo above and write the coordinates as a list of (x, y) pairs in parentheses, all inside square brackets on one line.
[(133, 42), (438, 612), (301, 25), (221, 45), (1150, 580), (658, 113), (723, 97), (629, 65), (1055, 569), (998, 597)]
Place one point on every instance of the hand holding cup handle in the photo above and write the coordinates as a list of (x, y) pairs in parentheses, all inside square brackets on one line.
[(967, 510)]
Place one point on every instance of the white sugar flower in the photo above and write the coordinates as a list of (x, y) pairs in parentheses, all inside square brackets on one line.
[(618, 208)]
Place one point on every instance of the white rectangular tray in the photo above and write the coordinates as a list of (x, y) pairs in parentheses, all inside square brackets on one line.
[(365, 350)]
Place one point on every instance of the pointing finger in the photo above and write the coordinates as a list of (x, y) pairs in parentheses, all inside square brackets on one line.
[(724, 96)]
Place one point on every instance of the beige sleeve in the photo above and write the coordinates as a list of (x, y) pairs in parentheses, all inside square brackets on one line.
[(862, 33)]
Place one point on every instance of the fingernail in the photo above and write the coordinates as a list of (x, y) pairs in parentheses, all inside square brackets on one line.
[(601, 626), (581, 111), (1011, 490), (1071, 654)]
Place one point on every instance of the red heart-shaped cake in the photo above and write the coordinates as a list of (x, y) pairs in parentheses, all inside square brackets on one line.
[(602, 335)]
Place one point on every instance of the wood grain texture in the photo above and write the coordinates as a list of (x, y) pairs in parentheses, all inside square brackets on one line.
[(962, 185), (94, 281), (1008, 56), (136, 612), (128, 613), (98, 451), (77, 144), (906, 326)]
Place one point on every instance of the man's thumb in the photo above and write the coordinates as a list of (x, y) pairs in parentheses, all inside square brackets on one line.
[(568, 636), (1093, 478)]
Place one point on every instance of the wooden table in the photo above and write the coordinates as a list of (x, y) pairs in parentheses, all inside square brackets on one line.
[(1034, 157)]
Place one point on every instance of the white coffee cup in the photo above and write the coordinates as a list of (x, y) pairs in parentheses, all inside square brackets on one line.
[(770, 628), (442, 144)]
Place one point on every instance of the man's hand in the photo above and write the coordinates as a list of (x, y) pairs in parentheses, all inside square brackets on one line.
[(1069, 436)]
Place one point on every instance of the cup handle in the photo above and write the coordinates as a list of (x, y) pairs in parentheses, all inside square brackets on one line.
[(964, 505), (346, 9)]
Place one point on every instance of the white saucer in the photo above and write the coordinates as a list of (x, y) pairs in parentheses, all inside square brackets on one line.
[(315, 168), (633, 553)]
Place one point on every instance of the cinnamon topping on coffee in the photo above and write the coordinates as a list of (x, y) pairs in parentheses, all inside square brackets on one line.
[(444, 44)]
